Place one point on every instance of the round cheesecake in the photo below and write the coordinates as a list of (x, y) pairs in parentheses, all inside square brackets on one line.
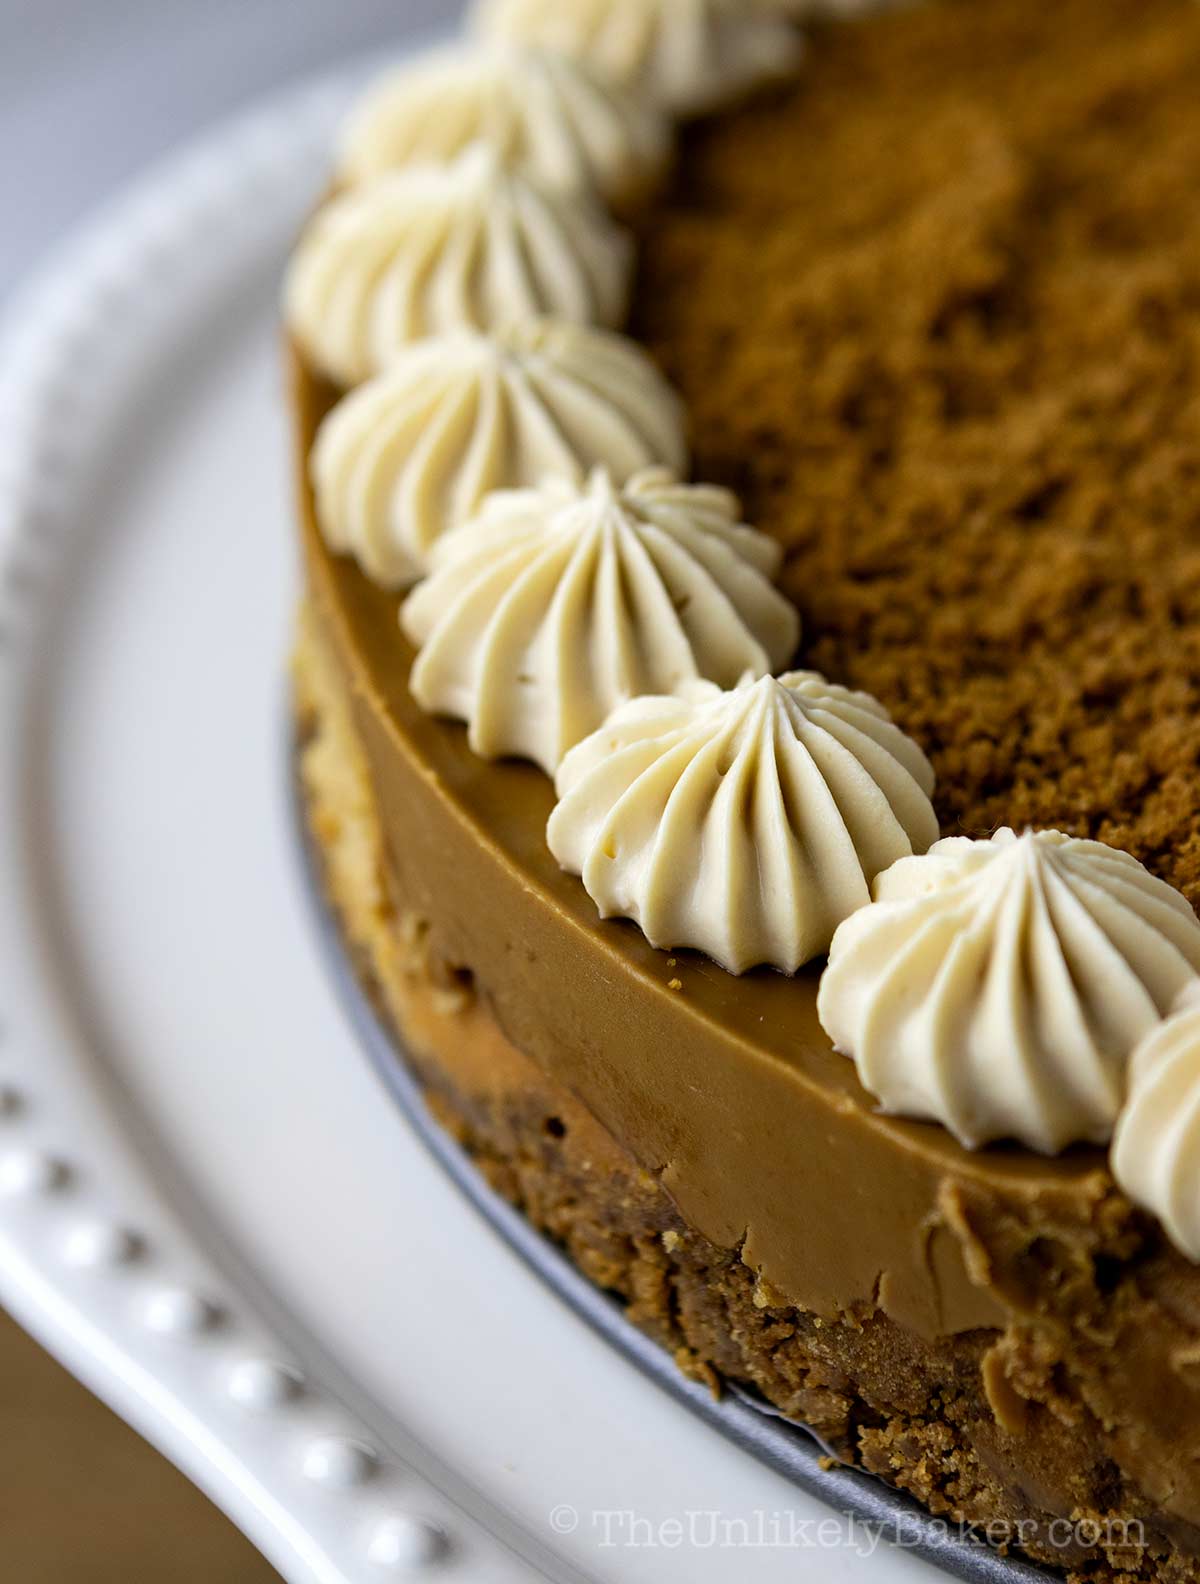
[(934, 309)]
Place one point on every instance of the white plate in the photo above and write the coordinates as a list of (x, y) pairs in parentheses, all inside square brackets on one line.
[(209, 1210)]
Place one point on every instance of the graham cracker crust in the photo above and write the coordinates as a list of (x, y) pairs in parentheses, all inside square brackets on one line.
[(941, 1420)]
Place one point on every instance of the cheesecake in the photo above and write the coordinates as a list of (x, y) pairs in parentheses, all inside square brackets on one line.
[(918, 298)]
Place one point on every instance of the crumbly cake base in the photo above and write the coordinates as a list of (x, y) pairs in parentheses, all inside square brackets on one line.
[(935, 1420)]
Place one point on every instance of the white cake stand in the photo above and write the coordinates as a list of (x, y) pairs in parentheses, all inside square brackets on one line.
[(210, 1210)]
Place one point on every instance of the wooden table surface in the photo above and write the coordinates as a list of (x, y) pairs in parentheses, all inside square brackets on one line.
[(84, 1500)]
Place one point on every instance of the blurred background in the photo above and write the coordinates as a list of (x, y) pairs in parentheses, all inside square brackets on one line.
[(92, 91)]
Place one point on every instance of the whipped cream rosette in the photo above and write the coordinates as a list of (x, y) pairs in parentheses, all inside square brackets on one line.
[(434, 248), (413, 453), (554, 605), (999, 986), (543, 113), (1156, 1146), (744, 823), (687, 56)]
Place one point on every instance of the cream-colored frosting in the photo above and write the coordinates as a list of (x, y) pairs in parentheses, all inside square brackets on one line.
[(543, 113), (415, 451), (746, 824), (999, 987), (555, 605), (687, 56), (1156, 1146), (434, 248)]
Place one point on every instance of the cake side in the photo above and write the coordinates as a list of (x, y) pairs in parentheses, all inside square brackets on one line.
[(955, 382), (708, 1085), (621, 1023), (988, 1427)]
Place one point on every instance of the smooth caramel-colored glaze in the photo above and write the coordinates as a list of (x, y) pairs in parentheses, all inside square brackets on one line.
[(726, 1086)]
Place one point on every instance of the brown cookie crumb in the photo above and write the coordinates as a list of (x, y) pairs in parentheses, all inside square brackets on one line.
[(936, 313)]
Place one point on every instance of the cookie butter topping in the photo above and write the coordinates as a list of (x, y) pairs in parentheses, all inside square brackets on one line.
[(434, 248), (543, 113), (414, 451), (687, 56), (998, 987), (555, 605), (746, 824), (1156, 1147)]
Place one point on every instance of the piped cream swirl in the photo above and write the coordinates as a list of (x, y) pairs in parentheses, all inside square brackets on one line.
[(413, 453), (555, 605), (687, 56), (998, 987), (746, 824), (543, 113), (435, 248), (1156, 1147)]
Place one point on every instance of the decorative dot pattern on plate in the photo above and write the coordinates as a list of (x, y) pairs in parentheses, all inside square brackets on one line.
[(339, 1463), (94, 1244), (176, 1312), (261, 1384), (404, 1545), (32, 1172)]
